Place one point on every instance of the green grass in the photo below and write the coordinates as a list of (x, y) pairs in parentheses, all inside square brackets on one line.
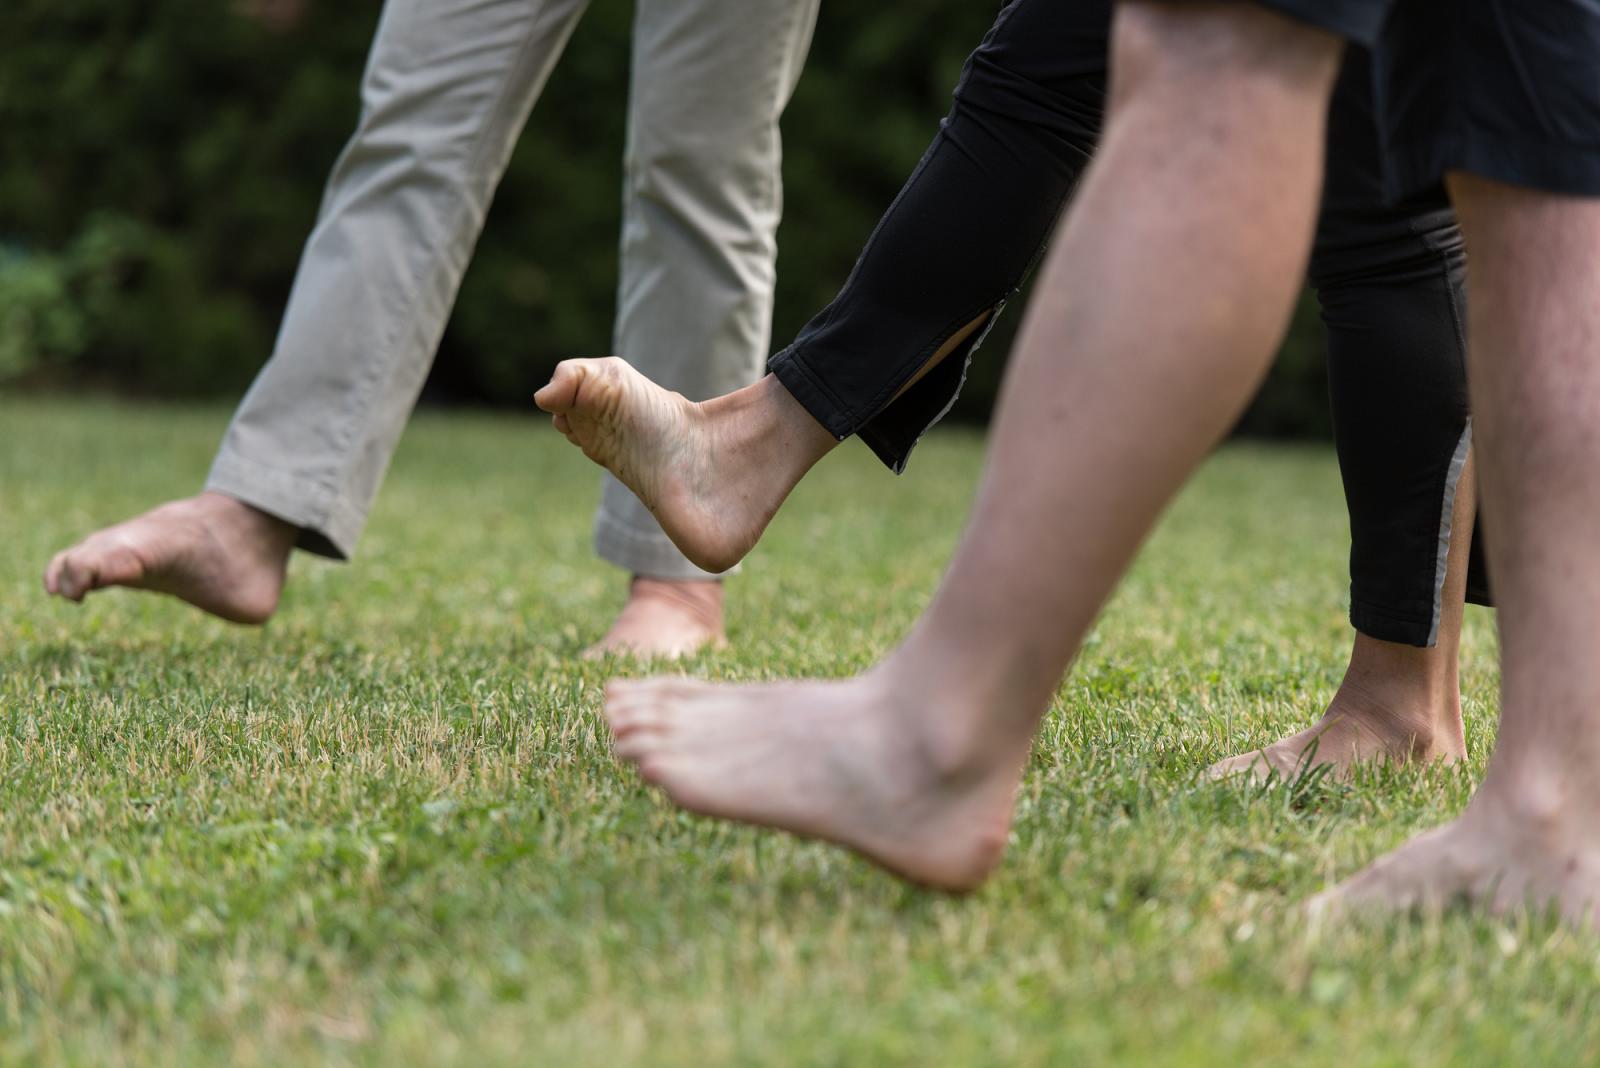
[(386, 829)]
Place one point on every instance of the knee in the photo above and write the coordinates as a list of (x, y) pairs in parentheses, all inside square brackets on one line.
[(1222, 49)]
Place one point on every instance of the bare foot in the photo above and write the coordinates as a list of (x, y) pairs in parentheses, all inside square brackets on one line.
[(852, 762), (1350, 732), (1492, 857), (713, 474), (217, 553), (665, 619), (1396, 704)]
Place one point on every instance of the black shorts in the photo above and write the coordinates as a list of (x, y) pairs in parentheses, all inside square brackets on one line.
[(1502, 89)]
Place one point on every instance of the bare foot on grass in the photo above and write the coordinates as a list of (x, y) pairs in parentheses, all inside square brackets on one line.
[(217, 553), (852, 762), (665, 619), (1349, 733), (1397, 704), (1497, 856)]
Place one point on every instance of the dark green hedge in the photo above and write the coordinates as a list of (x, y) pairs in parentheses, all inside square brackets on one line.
[(161, 162)]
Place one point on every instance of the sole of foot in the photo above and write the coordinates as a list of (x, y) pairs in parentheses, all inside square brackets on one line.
[(696, 474), (845, 762), (215, 552)]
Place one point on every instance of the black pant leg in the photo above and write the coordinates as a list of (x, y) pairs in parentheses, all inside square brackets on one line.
[(1392, 284), (963, 232)]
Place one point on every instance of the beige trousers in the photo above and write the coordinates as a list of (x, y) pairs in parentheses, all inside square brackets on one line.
[(448, 87)]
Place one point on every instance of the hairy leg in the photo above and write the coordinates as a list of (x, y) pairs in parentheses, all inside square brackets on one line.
[(1167, 291), (1531, 835)]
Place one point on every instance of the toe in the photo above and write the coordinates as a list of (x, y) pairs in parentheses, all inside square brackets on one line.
[(1397, 882), (658, 767), (75, 577), (638, 747), (1362, 889), (620, 692), (662, 694), (561, 391), (1245, 765), (1324, 908), (118, 566), (660, 687), (52, 573), (626, 719)]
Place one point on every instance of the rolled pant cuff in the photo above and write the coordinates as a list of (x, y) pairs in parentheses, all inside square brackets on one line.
[(648, 553), (1387, 626), (329, 525)]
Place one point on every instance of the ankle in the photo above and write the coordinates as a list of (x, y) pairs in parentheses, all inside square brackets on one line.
[(1410, 721), (1408, 680), (955, 733), (264, 530), (701, 600), (766, 413)]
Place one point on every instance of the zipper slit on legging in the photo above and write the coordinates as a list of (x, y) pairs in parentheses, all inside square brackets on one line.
[(896, 456)]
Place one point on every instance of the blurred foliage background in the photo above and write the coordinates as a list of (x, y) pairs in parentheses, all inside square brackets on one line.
[(161, 164)]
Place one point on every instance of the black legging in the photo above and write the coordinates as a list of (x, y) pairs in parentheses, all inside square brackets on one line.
[(974, 217)]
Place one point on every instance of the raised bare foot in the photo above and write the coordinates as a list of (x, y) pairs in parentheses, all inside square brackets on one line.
[(217, 553), (1493, 857), (851, 762), (713, 474), (1396, 704), (665, 619)]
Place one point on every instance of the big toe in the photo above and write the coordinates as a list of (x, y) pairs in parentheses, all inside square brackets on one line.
[(582, 385), (558, 394), (1251, 765), (623, 692), (1373, 889), (89, 567), (61, 577), (52, 573), (1324, 908)]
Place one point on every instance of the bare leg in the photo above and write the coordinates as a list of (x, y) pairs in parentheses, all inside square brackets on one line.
[(1531, 835), (1397, 703), (1171, 282), (668, 618), (217, 553), (713, 474)]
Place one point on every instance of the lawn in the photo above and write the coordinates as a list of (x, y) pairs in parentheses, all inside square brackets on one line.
[(386, 828)]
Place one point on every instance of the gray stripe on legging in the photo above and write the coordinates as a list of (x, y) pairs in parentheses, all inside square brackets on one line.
[(1452, 479)]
